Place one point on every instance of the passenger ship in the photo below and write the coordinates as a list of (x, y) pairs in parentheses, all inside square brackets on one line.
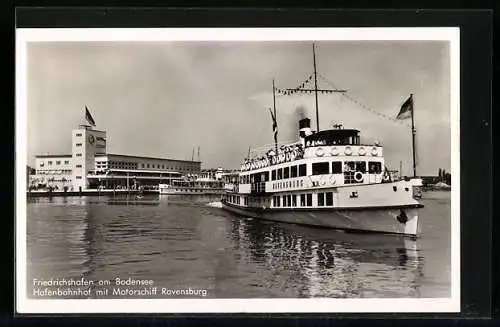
[(192, 187), (327, 179)]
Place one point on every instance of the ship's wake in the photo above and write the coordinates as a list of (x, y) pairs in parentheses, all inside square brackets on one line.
[(215, 204)]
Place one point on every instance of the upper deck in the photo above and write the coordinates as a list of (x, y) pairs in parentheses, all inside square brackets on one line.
[(330, 155)]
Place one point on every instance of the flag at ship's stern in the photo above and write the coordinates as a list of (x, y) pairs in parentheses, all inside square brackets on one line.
[(406, 109)]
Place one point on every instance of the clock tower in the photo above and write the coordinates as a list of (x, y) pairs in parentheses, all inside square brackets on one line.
[(86, 144)]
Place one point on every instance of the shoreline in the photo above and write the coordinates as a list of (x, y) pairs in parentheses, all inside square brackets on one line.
[(30, 194)]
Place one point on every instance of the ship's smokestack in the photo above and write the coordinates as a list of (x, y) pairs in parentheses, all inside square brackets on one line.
[(304, 129)]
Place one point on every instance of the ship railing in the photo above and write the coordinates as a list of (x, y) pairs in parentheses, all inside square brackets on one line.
[(260, 151)]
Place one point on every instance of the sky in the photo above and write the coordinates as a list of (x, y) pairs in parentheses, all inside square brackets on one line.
[(163, 99)]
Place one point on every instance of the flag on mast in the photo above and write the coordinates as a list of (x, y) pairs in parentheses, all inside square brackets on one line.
[(88, 117), (275, 126), (406, 109)]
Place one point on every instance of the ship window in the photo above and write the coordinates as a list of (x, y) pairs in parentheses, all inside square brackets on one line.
[(293, 171), (302, 170), (280, 174), (375, 167), (50, 163), (276, 201), (289, 200), (285, 203), (302, 200), (294, 200), (264, 176), (349, 166), (273, 175), (320, 168), (329, 198), (321, 199), (309, 200), (361, 166), (286, 172), (336, 167)]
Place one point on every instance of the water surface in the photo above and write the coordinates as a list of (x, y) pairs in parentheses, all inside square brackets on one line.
[(184, 243)]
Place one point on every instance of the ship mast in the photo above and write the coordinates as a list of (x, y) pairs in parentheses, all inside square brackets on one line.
[(413, 133), (316, 89), (274, 109)]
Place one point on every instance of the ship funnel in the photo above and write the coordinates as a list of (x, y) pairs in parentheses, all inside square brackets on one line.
[(304, 129)]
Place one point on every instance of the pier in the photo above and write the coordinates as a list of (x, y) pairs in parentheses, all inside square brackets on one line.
[(47, 193)]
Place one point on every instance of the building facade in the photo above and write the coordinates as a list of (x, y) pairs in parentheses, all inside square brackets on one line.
[(89, 166)]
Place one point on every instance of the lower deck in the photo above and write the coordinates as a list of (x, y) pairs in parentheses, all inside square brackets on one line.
[(355, 196)]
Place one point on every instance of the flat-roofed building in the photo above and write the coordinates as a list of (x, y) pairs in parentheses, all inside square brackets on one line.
[(89, 166)]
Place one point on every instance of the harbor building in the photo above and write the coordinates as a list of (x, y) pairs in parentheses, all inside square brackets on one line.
[(89, 166)]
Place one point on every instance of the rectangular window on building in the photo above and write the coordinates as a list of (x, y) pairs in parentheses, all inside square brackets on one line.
[(78, 134), (49, 163), (78, 166), (321, 199), (302, 200), (309, 200), (147, 165), (58, 162), (294, 200), (66, 162), (289, 200), (302, 170), (78, 177), (78, 154), (336, 167), (273, 175), (142, 165), (320, 168), (329, 198), (293, 171), (374, 167), (286, 172), (285, 204), (78, 144)]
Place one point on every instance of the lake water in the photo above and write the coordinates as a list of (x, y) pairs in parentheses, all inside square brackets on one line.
[(189, 248)]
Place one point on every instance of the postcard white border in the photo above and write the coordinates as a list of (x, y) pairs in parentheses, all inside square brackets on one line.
[(25, 305)]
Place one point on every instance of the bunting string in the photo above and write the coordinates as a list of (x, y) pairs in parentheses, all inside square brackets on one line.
[(362, 105), (296, 89)]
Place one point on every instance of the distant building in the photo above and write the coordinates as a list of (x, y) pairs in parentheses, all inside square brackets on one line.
[(89, 166)]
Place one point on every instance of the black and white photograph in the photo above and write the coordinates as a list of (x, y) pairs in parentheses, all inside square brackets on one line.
[(237, 170)]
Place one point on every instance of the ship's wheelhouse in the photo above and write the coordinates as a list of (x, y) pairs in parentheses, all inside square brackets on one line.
[(332, 137)]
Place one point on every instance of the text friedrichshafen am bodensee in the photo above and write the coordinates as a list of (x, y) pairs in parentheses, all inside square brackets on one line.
[(118, 287)]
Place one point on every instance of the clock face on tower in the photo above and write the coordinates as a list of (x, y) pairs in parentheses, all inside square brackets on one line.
[(91, 139)]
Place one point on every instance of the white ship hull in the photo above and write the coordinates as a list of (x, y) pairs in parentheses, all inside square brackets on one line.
[(381, 220), (385, 208)]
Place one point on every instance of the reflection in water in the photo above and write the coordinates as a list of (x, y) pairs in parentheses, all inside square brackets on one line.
[(330, 263), (186, 242)]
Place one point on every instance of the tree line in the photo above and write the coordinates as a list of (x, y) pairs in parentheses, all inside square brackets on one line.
[(444, 176)]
